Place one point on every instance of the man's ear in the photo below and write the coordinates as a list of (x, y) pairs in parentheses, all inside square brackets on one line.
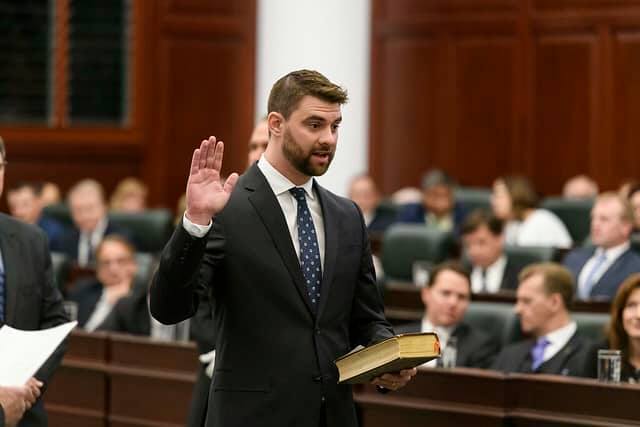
[(275, 121), (556, 301), (425, 293)]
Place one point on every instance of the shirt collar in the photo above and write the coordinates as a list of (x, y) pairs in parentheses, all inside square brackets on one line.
[(614, 252), (444, 332), (563, 334), (280, 183), (498, 264)]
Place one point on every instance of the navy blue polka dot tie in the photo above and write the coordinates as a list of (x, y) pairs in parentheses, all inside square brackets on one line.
[(309, 251)]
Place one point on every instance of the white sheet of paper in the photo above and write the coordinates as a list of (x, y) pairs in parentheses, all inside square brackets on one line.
[(22, 353)]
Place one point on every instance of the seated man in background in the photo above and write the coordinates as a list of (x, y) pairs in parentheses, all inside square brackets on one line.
[(601, 269), (580, 187), (438, 208), (555, 347), (115, 270), (446, 299), (363, 191), (89, 214), (258, 142), (483, 240), (25, 204)]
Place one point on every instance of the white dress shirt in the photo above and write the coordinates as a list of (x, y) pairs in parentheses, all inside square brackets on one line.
[(558, 339), (87, 242), (443, 332), (493, 276), (611, 254), (281, 186), (100, 312)]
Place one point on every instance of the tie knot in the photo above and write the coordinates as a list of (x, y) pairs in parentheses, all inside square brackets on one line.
[(542, 342), (298, 193)]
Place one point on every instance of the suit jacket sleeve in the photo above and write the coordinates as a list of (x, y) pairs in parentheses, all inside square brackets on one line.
[(1, 417), (368, 323), (52, 312), (187, 263), (484, 355)]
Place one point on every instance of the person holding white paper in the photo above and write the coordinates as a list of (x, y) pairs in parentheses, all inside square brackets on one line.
[(29, 299), (15, 400)]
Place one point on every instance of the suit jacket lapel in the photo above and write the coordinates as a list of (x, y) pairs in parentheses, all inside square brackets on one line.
[(559, 360), (331, 243), (267, 207), (612, 270), (10, 258)]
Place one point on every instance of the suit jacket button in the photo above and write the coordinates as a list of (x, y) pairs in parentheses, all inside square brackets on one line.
[(318, 331), (317, 378)]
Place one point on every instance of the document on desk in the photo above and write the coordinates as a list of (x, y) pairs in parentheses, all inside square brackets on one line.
[(22, 353)]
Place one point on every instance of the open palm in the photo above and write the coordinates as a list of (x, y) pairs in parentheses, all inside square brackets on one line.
[(206, 193)]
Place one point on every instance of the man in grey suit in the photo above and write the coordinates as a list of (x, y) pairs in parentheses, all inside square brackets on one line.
[(599, 270), (288, 266), (29, 299), (446, 299)]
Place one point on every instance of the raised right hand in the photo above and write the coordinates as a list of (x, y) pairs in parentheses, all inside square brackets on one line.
[(206, 193)]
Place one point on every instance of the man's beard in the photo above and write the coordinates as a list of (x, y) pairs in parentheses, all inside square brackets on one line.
[(301, 161)]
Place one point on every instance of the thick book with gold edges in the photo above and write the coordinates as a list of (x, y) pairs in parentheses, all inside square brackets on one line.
[(391, 355)]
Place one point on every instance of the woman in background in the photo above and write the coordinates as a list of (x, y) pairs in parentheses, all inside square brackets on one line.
[(515, 202), (130, 195), (624, 330)]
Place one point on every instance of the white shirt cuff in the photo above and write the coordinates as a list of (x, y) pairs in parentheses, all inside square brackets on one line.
[(195, 230)]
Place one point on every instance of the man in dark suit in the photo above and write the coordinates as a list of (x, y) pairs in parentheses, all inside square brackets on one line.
[(555, 347), (89, 213), (446, 299), (438, 208), (364, 192), (116, 270), (600, 270), (288, 266), (25, 204), (483, 239), (29, 300)]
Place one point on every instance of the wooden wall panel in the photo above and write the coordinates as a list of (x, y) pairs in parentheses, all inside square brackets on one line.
[(485, 109), (406, 126), (205, 72), (545, 88), (563, 109), (626, 99), (192, 75)]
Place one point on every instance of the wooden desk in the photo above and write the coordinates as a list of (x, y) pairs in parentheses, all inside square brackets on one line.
[(122, 380), (151, 381), (461, 397), (77, 395)]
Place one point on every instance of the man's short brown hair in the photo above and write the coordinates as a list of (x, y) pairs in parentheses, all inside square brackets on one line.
[(455, 266), (626, 210), (556, 279), (287, 92), (479, 217)]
